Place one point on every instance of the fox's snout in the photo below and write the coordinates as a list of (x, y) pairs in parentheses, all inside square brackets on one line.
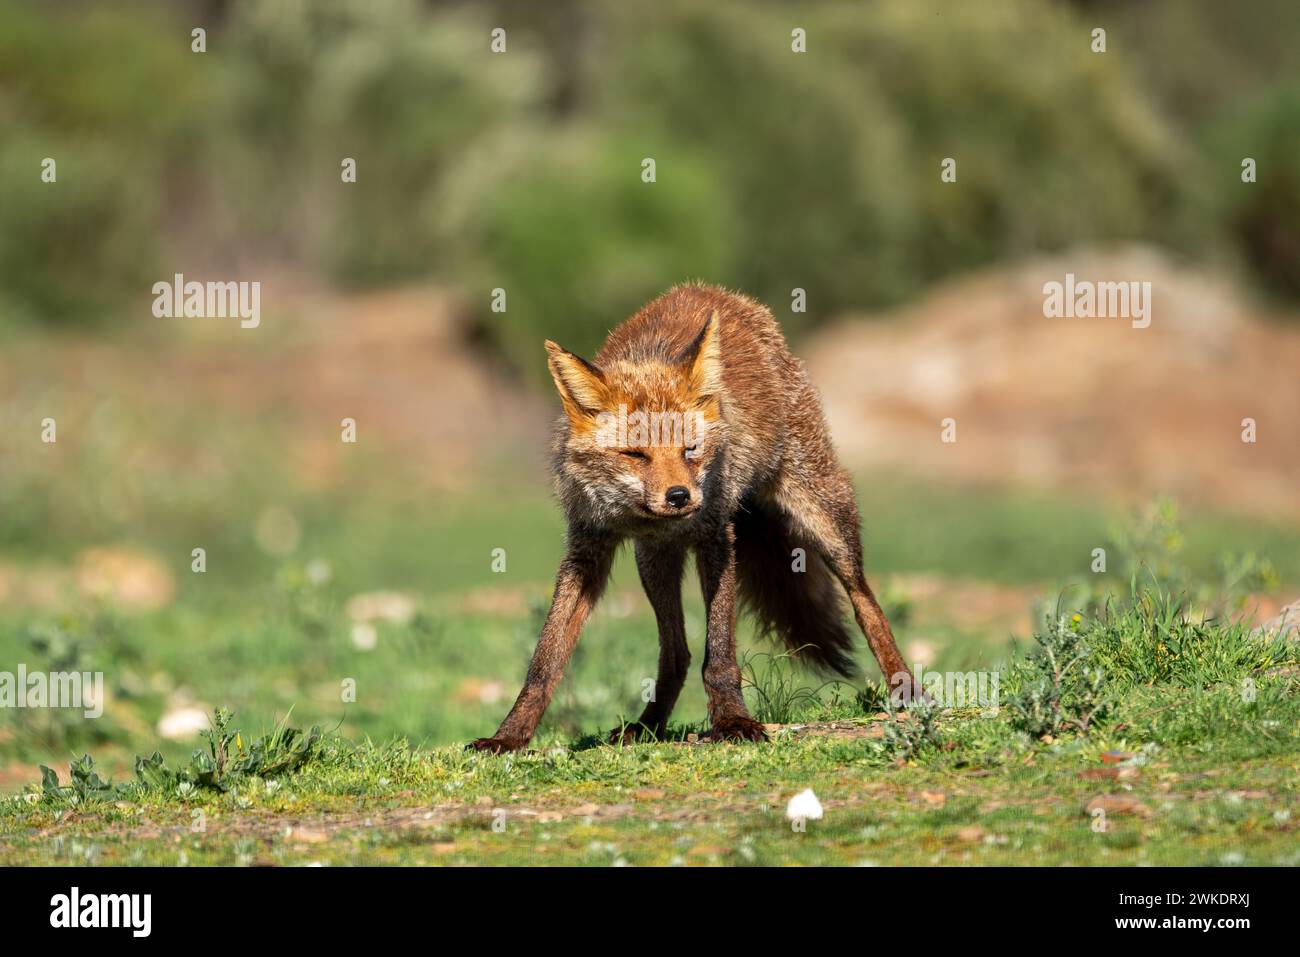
[(675, 501)]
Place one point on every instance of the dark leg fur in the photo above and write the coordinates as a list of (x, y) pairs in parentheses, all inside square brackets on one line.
[(728, 715), (660, 568), (578, 585)]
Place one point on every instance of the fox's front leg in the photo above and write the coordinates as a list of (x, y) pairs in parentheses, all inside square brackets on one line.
[(660, 568), (728, 715), (578, 585)]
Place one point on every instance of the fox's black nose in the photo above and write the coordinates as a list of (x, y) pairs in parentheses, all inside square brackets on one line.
[(677, 496)]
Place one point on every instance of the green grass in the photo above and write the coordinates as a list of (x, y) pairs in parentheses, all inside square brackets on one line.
[(666, 804), (1193, 758)]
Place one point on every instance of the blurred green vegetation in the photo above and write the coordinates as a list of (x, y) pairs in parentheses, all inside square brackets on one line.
[(775, 170), (1262, 221)]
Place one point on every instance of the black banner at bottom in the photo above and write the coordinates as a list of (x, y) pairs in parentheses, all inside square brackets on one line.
[(331, 906)]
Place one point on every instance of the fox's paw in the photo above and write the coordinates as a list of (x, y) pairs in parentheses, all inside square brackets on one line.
[(737, 728), (494, 745), (633, 733)]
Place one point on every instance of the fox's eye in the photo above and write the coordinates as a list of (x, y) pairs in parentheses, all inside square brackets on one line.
[(692, 452), (632, 454)]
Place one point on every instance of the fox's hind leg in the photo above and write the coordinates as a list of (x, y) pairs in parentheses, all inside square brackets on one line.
[(824, 510), (660, 568)]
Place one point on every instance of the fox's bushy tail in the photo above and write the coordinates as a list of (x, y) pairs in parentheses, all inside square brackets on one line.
[(803, 609)]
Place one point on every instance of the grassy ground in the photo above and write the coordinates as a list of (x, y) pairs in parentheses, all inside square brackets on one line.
[(979, 793), (1197, 723), (664, 804)]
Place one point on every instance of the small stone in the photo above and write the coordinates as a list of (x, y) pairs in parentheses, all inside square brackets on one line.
[(1117, 804), (804, 806), (707, 850), (1093, 773), (308, 835)]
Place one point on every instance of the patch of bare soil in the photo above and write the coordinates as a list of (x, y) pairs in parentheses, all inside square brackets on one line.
[(1080, 404), (398, 362), (401, 360)]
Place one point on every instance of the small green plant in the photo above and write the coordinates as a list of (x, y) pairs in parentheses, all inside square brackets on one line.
[(777, 696), (64, 647), (1151, 543), (227, 759), (225, 762), (85, 786), (913, 733), (873, 698), (1151, 548), (1243, 574), (1061, 686)]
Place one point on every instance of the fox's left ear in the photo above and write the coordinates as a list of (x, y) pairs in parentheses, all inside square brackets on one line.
[(703, 359)]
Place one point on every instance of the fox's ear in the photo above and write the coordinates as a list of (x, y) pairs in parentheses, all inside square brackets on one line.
[(703, 359), (580, 384)]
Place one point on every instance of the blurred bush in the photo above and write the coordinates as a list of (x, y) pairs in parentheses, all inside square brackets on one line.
[(566, 227), (403, 93), (1263, 218), (76, 249), (775, 170), (1055, 145), (106, 95), (810, 162)]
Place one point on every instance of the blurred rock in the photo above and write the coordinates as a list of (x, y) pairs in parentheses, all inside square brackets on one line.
[(183, 722), (130, 579), (1286, 624), (391, 606), (479, 691), (1081, 404), (364, 636)]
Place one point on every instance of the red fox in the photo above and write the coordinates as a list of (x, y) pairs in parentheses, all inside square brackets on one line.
[(696, 429)]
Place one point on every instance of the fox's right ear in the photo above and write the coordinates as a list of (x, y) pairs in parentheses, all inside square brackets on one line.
[(580, 384)]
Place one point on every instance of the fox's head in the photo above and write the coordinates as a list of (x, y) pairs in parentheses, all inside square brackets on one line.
[(643, 435)]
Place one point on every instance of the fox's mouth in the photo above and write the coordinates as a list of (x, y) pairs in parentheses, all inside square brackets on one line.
[(686, 512)]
